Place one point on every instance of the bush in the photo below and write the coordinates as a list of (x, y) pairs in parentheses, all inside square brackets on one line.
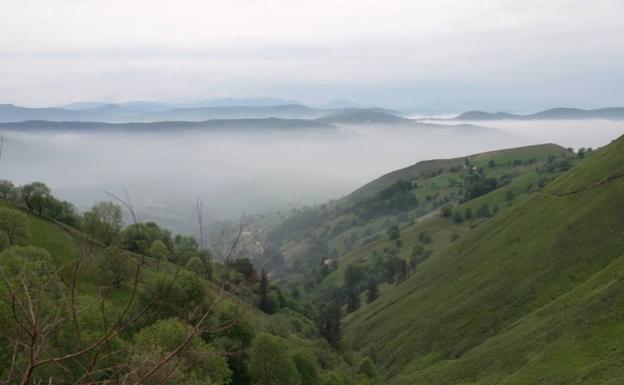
[(367, 368), (181, 296), (8, 192), (307, 368), (103, 222), (394, 232), (196, 363), (14, 224), (270, 364), (114, 267)]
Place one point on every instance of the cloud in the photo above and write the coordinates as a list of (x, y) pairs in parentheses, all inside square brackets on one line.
[(65, 50)]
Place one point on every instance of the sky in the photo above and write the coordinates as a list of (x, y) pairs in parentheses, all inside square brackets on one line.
[(423, 55)]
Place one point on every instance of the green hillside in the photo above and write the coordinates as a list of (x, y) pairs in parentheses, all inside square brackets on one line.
[(162, 307), (353, 228), (422, 170), (503, 267), (529, 296)]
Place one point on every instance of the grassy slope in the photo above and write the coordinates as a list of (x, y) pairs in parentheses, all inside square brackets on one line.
[(296, 248), (418, 170), (530, 296), (65, 244), (442, 229)]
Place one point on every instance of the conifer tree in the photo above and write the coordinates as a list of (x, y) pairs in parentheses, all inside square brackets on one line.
[(373, 292)]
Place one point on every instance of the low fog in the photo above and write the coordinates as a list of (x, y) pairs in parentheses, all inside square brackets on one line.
[(253, 172)]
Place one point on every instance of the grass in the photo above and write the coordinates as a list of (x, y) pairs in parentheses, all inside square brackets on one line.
[(433, 179), (531, 296)]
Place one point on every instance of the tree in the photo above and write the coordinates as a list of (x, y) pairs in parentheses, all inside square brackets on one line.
[(196, 362), (57, 331), (158, 250), (484, 211), (8, 192), (245, 267), (492, 163), (353, 275), (425, 237), (114, 267), (270, 364), (15, 225), (353, 299), (367, 367), (307, 368), (394, 232), (140, 236), (330, 321), (468, 213), (373, 292), (196, 265), (104, 222), (403, 271), (185, 247), (62, 211), (509, 196), (183, 296), (458, 217), (265, 302), (33, 195)]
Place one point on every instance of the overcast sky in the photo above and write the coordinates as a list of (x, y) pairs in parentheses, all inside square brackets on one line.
[(490, 54)]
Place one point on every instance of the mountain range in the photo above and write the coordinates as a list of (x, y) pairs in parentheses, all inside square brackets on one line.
[(611, 113)]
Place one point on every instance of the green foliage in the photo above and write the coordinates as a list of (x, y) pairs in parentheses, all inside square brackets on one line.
[(245, 267), (158, 250), (391, 200), (182, 295), (372, 292), (34, 196), (307, 368), (4, 241), (394, 232), (139, 237), (353, 299), (196, 265), (8, 192), (115, 267), (525, 297), (353, 276), (266, 304), (197, 363), (270, 363), (367, 367), (185, 248), (478, 185), (103, 222), (14, 225), (102, 286), (330, 321)]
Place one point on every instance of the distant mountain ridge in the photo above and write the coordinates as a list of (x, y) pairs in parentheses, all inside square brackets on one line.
[(156, 112), (213, 124), (187, 120), (560, 113)]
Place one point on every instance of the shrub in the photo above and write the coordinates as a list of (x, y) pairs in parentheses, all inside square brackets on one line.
[(14, 224)]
